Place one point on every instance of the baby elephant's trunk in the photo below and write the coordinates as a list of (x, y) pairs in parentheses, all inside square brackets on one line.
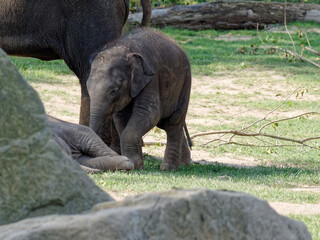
[(97, 117)]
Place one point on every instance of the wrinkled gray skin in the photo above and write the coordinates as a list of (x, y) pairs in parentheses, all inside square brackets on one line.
[(72, 30), (86, 147), (145, 80)]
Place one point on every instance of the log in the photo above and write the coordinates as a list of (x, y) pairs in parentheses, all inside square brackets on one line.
[(229, 15)]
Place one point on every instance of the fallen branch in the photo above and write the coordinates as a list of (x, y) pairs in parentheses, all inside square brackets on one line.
[(264, 146), (312, 50), (287, 51), (259, 135), (295, 55), (272, 111)]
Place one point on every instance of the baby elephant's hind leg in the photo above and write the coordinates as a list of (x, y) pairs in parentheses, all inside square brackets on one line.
[(173, 151)]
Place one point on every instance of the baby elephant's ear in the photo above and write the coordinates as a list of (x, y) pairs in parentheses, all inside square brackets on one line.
[(142, 73)]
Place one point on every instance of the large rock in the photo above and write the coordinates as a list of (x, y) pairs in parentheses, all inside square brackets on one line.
[(36, 177), (179, 214)]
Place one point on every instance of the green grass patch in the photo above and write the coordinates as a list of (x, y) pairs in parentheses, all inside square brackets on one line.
[(270, 183), (209, 55), (37, 71), (268, 104)]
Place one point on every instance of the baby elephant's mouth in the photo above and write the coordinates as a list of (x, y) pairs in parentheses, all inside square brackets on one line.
[(115, 108)]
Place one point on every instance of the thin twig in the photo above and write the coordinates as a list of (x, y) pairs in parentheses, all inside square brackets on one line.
[(259, 35), (312, 50), (285, 25), (272, 111), (264, 146), (308, 40), (293, 54), (243, 134), (239, 133), (285, 119)]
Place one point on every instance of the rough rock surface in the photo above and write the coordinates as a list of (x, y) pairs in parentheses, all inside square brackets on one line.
[(178, 214), (36, 177)]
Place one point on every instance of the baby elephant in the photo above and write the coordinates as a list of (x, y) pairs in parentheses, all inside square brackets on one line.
[(144, 80)]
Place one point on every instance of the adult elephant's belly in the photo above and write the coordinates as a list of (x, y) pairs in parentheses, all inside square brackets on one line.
[(28, 46)]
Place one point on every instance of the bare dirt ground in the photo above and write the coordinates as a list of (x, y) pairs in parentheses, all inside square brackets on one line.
[(65, 105)]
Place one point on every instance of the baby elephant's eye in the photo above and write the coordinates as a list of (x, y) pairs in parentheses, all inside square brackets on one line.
[(113, 91)]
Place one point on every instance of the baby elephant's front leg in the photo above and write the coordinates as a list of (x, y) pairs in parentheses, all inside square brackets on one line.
[(131, 147), (131, 137), (145, 115)]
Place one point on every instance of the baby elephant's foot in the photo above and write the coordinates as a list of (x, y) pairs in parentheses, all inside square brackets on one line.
[(165, 166), (110, 163), (89, 170), (185, 161), (136, 160)]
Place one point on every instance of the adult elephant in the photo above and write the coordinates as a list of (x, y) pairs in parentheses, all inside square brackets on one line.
[(72, 30)]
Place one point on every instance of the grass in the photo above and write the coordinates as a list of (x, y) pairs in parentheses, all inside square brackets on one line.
[(273, 183), (215, 56), (234, 84), (35, 70)]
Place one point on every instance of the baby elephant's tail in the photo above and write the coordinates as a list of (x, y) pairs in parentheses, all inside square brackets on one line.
[(187, 135)]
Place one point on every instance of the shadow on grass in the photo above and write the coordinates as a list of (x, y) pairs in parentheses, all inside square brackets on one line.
[(259, 174)]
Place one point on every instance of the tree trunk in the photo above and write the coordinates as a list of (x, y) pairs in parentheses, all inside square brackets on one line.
[(229, 15)]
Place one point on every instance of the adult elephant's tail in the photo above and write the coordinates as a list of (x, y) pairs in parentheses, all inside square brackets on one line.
[(146, 6), (187, 135)]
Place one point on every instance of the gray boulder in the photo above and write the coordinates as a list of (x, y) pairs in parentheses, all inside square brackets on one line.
[(178, 214), (36, 177)]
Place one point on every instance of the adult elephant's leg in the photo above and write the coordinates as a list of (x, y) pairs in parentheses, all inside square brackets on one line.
[(173, 150), (84, 110), (81, 67)]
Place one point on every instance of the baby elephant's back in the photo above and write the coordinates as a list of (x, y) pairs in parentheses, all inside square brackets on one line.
[(171, 66), (159, 49)]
